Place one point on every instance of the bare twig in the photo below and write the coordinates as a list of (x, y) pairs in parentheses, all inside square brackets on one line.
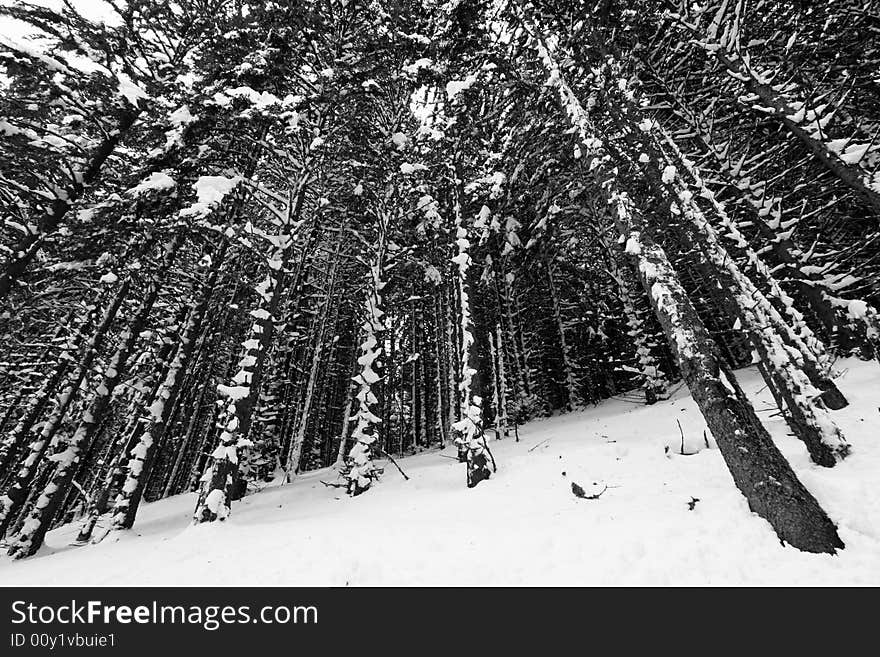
[(534, 447), (85, 495), (391, 458)]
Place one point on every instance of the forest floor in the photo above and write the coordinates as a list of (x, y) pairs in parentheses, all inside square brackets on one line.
[(664, 518)]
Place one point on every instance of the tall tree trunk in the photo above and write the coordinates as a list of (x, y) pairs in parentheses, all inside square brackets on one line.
[(294, 456), (68, 454), (572, 399), (218, 483), (758, 468), (469, 435), (15, 497), (143, 455)]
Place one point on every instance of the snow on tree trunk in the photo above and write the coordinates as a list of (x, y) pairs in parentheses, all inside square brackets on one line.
[(441, 363), (69, 452), (806, 413), (143, 454), (11, 502), (634, 139), (453, 368), (295, 453), (654, 381), (758, 468), (346, 421), (15, 439), (811, 356), (360, 471), (190, 442), (106, 488), (468, 431), (218, 483), (775, 233), (573, 399), (496, 341)]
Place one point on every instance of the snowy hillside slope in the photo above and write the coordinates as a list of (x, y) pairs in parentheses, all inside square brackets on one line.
[(664, 519)]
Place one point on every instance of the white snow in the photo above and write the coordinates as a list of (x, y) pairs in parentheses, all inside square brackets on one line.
[(417, 65), (633, 246), (32, 49), (399, 140), (210, 190), (181, 116), (158, 180), (259, 100), (523, 526), (455, 87), (406, 168), (854, 153), (233, 392), (129, 90)]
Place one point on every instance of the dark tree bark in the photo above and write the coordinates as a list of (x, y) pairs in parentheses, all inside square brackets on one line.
[(758, 468)]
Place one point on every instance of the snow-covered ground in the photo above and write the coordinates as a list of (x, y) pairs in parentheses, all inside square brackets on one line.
[(522, 527)]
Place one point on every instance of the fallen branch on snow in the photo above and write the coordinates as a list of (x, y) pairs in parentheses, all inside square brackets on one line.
[(391, 458), (538, 445)]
